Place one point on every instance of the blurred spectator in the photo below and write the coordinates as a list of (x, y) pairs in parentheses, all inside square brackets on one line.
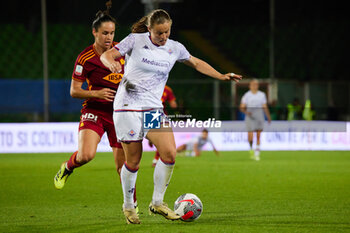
[(294, 110), (308, 113)]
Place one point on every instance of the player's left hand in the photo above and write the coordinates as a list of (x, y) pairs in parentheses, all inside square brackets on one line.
[(232, 77), (115, 67)]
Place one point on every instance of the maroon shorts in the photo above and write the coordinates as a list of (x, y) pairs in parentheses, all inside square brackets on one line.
[(99, 121)]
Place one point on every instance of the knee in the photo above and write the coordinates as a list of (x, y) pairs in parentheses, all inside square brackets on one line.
[(85, 157), (169, 155)]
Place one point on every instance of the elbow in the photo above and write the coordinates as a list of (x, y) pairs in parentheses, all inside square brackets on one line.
[(73, 93)]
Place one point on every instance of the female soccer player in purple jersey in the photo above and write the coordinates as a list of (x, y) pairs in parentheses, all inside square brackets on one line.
[(150, 55)]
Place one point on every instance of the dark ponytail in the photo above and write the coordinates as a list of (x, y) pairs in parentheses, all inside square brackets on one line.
[(103, 16), (158, 16)]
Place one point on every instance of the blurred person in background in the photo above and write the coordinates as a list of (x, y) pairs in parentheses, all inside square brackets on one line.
[(294, 110), (194, 146), (308, 112), (97, 111), (254, 105)]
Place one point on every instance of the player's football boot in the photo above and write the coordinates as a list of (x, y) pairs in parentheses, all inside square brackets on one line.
[(136, 206), (164, 210), (131, 216), (251, 153), (61, 176), (257, 155)]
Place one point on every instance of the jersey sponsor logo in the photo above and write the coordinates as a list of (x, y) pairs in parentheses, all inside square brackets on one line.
[(156, 63), (114, 78), (78, 70), (152, 119), (89, 117)]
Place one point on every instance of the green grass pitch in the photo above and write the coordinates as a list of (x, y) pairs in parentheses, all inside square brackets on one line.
[(284, 192)]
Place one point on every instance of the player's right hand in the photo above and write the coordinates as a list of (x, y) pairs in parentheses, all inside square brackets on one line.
[(105, 94)]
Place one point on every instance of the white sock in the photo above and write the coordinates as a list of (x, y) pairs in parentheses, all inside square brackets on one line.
[(161, 179), (257, 150), (128, 178)]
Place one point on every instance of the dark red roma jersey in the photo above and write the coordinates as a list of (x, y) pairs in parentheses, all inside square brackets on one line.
[(89, 68)]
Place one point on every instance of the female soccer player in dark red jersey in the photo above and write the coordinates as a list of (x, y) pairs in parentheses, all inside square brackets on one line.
[(97, 111)]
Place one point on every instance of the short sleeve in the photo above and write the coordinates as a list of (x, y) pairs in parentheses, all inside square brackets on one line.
[(79, 72), (183, 54), (244, 99), (126, 45), (264, 99)]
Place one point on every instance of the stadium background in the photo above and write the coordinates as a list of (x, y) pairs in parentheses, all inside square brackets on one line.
[(287, 191), (309, 40)]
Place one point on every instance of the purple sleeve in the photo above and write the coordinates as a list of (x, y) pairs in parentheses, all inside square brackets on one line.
[(126, 45)]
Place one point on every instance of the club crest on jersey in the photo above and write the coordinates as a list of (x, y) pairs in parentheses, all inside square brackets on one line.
[(114, 78), (132, 133), (170, 51), (78, 70)]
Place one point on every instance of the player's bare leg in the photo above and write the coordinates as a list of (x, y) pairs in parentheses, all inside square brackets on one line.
[(88, 141), (164, 141), (87, 146), (250, 141), (128, 176), (119, 158)]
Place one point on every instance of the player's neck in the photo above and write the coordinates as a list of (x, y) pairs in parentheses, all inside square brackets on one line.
[(254, 91), (99, 50)]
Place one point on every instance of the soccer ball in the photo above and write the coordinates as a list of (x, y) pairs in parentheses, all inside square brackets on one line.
[(189, 207)]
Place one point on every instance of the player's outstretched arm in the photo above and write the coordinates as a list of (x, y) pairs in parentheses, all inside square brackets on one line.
[(196, 150), (108, 60), (216, 151), (205, 68)]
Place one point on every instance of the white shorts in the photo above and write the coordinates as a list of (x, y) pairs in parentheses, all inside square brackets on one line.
[(129, 125)]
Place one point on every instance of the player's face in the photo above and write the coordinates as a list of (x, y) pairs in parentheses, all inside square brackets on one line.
[(204, 135), (253, 86), (160, 33), (104, 35)]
